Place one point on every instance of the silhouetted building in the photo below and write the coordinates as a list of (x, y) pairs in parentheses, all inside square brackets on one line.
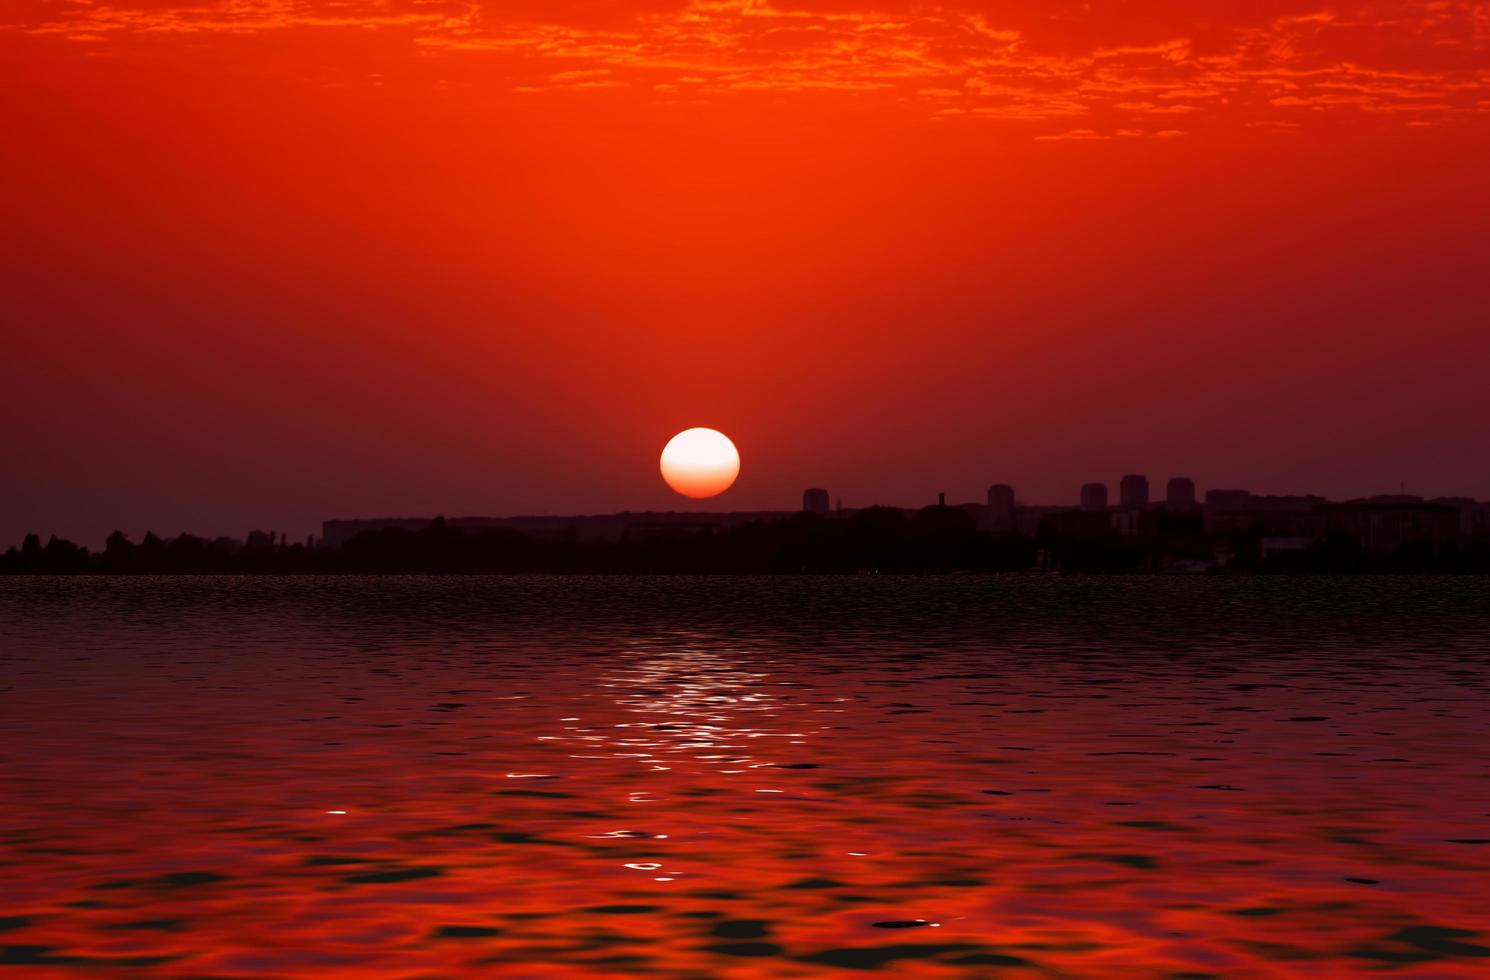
[(1474, 517), (1094, 496), (1078, 524), (815, 501), (1029, 518), (1238, 512), (1234, 512), (1001, 507), (1229, 499), (1180, 492), (1382, 528), (1133, 492)]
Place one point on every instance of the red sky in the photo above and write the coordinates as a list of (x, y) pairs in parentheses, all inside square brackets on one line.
[(269, 261)]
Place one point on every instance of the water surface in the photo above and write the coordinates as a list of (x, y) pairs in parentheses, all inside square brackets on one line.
[(600, 777)]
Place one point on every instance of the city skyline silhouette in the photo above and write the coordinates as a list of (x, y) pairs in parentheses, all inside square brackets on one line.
[(1184, 531)]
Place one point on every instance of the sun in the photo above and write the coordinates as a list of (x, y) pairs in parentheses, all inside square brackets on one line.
[(700, 463)]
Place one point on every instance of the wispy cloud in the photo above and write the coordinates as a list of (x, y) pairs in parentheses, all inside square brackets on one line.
[(1279, 65)]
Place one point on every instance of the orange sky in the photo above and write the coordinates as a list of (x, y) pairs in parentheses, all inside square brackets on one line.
[(267, 262)]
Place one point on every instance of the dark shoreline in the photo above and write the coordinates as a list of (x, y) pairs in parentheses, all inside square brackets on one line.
[(934, 541)]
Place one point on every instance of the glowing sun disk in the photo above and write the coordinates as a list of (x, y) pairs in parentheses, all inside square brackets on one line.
[(700, 463)]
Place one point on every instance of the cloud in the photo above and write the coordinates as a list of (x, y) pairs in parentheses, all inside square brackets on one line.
[(1274, 62), (1074, 134)]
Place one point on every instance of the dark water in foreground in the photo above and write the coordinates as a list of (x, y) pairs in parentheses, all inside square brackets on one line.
[(700, 778)]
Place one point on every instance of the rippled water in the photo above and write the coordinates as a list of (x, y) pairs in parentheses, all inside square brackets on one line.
[(724, 777)]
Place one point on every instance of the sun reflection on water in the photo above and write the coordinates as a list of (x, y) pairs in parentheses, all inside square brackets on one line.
[(693, 705)]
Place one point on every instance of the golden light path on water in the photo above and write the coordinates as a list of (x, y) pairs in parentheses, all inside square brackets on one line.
[(695, 709)]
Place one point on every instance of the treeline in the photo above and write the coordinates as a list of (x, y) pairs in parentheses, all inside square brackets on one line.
[(183, 554), (877, 539), (874, 540)]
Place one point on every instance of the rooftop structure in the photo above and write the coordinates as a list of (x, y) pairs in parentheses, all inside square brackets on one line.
[(1180, 492), (815, 501), (1094, 496), (1133, 492), (1001, 507)]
